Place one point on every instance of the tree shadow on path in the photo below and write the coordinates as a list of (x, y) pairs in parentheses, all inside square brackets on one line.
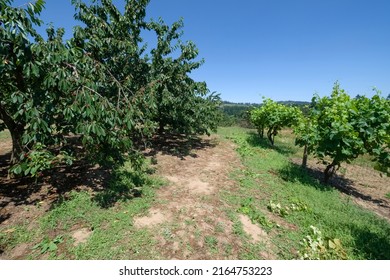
[(178, 145)]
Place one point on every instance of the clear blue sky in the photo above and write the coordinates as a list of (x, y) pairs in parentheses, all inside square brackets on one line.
[(282, 49)]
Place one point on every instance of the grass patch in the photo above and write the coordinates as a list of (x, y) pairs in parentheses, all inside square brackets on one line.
[(275, 186), (220, 227), (212, 243), (13, 236), (364, 161)]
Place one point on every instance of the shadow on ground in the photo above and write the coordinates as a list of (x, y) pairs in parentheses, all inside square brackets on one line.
[(178, 145), (106, 185), (314, 177), (372, 245), (52, 187), (255, 140)]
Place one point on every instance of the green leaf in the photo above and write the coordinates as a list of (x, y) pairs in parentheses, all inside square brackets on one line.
[(52, 247), (27, 171), (34, 170), (18, 170)]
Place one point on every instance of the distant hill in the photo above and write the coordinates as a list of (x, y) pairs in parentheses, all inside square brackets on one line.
[(228, 103), (295, 103), (247, 104)]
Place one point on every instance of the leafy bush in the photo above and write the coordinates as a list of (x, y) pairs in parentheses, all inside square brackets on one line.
[(273, 116), (38, 160), (340, 128), (100, 86), (316, 247)]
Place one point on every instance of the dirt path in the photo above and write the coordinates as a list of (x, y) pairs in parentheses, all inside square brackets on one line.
[(189, 218)]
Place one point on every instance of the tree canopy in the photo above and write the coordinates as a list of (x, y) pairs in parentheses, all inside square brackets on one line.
[(273, 116), (340, 128), (100, 87)]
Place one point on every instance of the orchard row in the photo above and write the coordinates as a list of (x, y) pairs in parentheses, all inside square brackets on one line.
[(335, 129), (103, 88)]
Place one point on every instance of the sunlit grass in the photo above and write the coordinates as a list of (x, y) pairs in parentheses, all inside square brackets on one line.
[(270, 176)]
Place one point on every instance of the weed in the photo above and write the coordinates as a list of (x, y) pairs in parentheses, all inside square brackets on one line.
[(252, 251), (283, 211), (342, 170), (256, 216), (237, 229), (189, 248), (387, 195), (198, 233), (5, 134), (167, 234), (212, 243), (126, 183), (315, 247), (47, 245), (228, 249), (189, 222)]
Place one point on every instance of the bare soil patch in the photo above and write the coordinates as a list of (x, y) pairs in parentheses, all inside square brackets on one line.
[(20, 251), (81, 236), (252, 230), (155, 217)]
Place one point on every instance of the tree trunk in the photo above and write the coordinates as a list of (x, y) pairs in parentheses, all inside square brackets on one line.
[(261, 131), (161, 126), (16, 131), (15, 128), (305, 154), (17, 147), (329, 171), (271, 136)]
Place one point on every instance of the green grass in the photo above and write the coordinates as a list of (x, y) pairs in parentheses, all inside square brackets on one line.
[(269, 176), (113, 235), (212, 243), (388, 195), (364, 161)]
